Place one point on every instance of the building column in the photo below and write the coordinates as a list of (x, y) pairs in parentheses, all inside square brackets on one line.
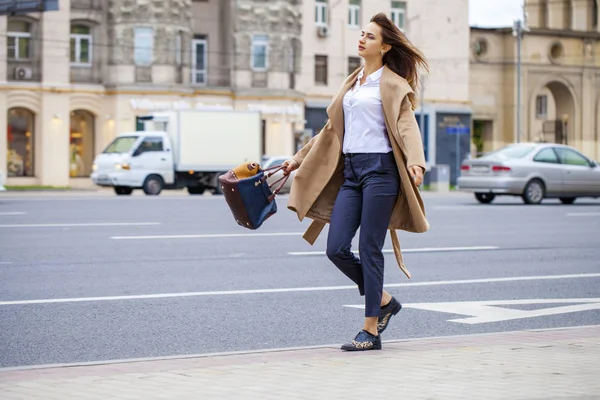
[(556, 14), (582, 19), (587, 144)]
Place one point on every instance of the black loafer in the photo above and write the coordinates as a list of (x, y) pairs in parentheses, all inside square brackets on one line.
[(364, 341), (387, 312)]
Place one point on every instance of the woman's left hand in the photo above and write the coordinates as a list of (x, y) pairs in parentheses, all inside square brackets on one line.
[(416, 173)]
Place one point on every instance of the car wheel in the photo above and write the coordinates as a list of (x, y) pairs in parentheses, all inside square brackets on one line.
[(123, 190), (153, 185), (485, 198), (196, 189), (567, 200), (534, 192)]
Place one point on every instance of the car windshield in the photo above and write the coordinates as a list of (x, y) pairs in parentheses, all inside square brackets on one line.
[(511, 152), (121, 144)]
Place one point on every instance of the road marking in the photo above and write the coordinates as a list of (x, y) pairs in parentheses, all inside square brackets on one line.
[(482, 312), (417, 250), (79, 225), (206, 236), (297, 289), (5, 262), (13, 213), (584, 214)]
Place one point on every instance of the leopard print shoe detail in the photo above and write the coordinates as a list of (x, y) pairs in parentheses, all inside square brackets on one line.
[(363, 341), (387, 312)]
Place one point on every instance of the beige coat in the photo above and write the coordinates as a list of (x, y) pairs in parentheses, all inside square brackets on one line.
[(320, 175)]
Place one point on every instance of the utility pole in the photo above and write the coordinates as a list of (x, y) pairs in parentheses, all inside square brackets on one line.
[(518, 32)]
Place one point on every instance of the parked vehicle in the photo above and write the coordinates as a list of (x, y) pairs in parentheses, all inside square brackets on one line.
[(534, 171), (2, 188), (180, 149), (278, 160)]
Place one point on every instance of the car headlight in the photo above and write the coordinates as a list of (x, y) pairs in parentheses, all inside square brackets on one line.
[(94, 167), (118, 167)]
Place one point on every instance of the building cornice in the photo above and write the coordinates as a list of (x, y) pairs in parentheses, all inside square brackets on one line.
[(543, 32)]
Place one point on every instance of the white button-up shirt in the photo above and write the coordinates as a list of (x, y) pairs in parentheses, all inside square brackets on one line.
[(364, 124)]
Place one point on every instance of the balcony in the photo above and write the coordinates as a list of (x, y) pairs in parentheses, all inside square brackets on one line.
[(23, 71)]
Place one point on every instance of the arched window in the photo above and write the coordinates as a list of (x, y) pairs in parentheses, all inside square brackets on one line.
[(81, 146), (20, 138)]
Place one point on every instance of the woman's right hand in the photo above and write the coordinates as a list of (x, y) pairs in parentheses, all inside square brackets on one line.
[(289, 166)]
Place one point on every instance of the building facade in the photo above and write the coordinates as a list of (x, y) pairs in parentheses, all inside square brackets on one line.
[(560, 78), (75, 78)]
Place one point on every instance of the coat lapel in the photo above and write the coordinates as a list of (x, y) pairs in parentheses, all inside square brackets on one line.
[(335, 111)]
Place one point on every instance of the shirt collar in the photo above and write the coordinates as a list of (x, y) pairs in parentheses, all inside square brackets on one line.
[(374, 77)]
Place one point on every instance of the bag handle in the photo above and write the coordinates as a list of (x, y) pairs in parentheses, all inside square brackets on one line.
[(273, 170)]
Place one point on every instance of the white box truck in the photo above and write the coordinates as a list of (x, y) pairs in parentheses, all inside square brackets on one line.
[(180, 149)]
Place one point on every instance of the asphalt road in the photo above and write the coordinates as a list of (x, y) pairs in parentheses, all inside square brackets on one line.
[(92, 278)]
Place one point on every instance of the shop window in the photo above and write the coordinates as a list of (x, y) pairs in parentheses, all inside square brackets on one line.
[(354, 14), (18, 40), (399, 14), (260, 51), (143, 51), (20, 138), (321, 12), (81, 148), (353, 64), (81, 45)]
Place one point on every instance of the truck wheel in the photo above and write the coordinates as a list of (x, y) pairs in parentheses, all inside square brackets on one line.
[(123, 190), (534, 192), (153, 185), (485, 198), (196, 189)]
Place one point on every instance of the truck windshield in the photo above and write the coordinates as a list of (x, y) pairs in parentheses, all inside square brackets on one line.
[(121, 144)]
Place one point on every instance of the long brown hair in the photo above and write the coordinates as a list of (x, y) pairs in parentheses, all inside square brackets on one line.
[(403, 58)]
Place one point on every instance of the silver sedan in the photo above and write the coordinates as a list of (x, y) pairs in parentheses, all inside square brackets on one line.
[(534, 171)]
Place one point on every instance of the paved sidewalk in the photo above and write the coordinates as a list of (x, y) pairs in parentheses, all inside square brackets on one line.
[(539, 364)]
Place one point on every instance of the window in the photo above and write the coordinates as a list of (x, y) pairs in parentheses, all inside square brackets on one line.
[(321, 70), (81, 154), (399, 14), (546, 156), (178, 48), (20, 140), (143, 51), (321, 12), (353, 64), (260, 52), (354, 14), (571, 157), (18, 40), (199, 61), (149, 144), (121, 144), (81, 45), (541, 106)]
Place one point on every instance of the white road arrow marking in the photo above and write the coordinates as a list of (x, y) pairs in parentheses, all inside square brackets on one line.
[(481, 312)]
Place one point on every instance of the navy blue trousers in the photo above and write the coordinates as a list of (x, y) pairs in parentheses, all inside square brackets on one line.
[(366, 199)]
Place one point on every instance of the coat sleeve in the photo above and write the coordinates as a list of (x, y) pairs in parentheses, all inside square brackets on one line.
[(303, 152), (410, 134)]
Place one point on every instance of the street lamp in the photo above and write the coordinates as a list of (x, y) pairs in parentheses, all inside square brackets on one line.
[(519, 28)]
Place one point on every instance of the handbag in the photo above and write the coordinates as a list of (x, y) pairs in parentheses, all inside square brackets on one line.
[(248, 194)]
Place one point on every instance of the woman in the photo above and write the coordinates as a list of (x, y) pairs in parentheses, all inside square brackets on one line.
[(363, 170)]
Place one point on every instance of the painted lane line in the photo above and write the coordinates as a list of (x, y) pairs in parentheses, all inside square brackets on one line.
[(13, 213), (417, 250), (584, 214), (481, 312), (80, 225), (206, 236), (6, 262), (297, 289)]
